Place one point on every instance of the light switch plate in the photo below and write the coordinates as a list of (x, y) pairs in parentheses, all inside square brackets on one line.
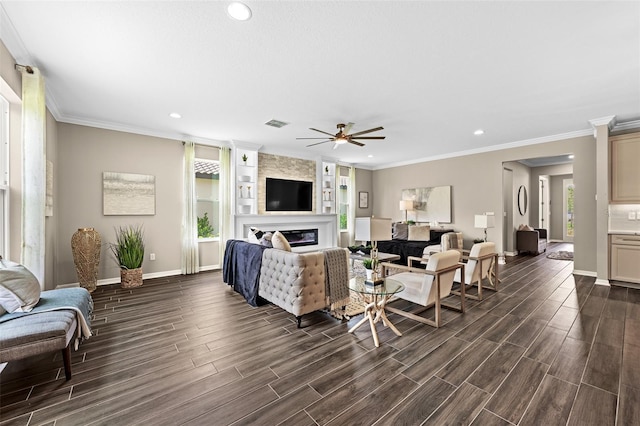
[(632, 216)]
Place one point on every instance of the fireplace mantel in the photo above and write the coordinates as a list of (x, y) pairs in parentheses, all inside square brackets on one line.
[(327, 225)]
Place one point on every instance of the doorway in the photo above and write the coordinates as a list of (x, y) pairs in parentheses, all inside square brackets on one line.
[(507, 211)]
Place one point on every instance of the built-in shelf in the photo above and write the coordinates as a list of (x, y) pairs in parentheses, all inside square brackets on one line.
[(327, 187), (246, 172)]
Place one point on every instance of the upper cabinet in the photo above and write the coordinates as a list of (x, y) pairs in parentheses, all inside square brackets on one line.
[(625, 173)]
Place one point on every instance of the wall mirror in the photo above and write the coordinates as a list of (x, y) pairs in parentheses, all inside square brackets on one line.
[(522, 200)]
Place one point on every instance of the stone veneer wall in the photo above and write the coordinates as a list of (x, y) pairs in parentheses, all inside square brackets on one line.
[(281, 167)]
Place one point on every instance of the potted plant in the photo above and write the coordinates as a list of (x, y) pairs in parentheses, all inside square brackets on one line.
[(128, 251), (244, 159), (368, 266)]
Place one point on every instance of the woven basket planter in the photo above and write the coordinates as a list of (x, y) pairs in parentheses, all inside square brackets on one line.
[(130, 278)]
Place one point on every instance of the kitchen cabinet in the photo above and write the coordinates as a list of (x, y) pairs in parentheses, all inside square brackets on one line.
[(624, 170), (624, 257)]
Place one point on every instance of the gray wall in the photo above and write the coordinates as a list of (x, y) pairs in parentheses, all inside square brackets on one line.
[(476, 181), (83, 154)]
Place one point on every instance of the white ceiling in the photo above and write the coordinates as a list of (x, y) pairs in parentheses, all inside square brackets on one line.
[(430, 72)]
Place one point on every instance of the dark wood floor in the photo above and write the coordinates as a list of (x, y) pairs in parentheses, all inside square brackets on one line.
[(548, 348)]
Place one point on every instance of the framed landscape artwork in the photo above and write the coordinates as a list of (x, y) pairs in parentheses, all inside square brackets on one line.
[(128, 194), (431, 204), (363, 200)]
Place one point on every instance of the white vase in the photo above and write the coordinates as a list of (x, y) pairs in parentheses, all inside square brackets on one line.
[(368, 272)]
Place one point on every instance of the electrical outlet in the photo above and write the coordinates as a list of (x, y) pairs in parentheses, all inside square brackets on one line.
[(632, 216), (152, 256)]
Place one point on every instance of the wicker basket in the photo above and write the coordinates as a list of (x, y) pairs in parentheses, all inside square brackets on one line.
[(130, 278)]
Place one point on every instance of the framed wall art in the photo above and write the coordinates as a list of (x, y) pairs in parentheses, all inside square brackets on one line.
[(363, 200), (128, 194)]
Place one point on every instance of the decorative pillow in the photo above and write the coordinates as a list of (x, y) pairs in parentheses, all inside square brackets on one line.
[(254, 235), (523, 227), (19, 288), (419, 233), (266, 239), (399, 231), (280, 242)]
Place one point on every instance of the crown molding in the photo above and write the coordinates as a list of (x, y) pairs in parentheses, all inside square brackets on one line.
[(492, 148), (142, 131)]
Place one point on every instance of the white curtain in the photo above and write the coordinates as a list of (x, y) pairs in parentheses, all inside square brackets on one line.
[(225, 200), (33, 173), (190, 263), (351, 212)]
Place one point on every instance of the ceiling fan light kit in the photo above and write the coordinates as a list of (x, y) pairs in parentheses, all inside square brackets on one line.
[(343, 136)]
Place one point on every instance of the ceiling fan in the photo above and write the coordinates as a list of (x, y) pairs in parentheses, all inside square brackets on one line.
[(343, 135)]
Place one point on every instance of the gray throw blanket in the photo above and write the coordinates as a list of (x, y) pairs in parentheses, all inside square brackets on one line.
[(336, 278), (75, 299)]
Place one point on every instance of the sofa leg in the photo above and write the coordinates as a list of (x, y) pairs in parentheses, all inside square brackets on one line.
[(299, 319), (66, 357)]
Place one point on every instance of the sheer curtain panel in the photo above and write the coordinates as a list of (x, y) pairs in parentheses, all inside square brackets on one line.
[(225, 200), (33, 172), (190, 264)]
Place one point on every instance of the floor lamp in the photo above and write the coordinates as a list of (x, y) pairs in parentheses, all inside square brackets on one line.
[(373, 229)]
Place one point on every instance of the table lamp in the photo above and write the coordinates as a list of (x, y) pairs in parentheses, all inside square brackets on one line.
[(406, 205), (373, 229), (484, 221)]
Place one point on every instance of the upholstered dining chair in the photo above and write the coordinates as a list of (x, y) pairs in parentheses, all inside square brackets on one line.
[(426, 287), (448, 241), (481, 266)]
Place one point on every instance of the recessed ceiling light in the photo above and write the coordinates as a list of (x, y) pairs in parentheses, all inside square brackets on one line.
[(571, 156), (239, 11), (175, 115), (479, 132), (370, 156)]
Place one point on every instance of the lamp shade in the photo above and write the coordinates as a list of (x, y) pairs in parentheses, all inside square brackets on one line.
[(406, 205), (484, 221), (373, 229)]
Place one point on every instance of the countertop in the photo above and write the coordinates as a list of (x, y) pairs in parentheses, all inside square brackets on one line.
[(624, 232)]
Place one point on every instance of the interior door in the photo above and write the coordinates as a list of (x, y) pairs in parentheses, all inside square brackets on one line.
[(543, 211), (568, 214), (507, 210)]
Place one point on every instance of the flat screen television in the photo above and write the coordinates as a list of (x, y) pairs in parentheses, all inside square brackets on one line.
[(284, 195)]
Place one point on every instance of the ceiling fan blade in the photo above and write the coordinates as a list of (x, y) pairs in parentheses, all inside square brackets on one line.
[(311, 138), (348, 127), (367, 131), (356, 142), (326, 133), (368, 137), (318, 143)]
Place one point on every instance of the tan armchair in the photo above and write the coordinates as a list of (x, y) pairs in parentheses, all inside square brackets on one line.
[(426, 287), (481, 268), (448, 241)]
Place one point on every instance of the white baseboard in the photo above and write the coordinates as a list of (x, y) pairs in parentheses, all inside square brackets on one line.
[(116, 280), (603, 282), (585, 273)]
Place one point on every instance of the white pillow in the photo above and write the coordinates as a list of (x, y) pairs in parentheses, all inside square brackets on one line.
[(19, 288), (254, 235), (280, 242)]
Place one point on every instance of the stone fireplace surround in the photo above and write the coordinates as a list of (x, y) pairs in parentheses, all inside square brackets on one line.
[(327, 225)]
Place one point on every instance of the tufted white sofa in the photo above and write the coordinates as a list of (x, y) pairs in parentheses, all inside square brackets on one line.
[(293, 281)]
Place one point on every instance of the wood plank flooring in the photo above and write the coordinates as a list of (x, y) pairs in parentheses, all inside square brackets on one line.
[(548, 348)]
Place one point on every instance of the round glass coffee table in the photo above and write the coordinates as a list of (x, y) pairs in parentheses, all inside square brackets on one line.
[(376, 298)]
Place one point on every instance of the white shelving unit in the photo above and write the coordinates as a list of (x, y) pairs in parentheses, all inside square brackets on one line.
[(246, 188), (327, 188)]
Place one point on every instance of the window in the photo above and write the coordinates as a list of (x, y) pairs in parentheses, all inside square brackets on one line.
[(208, 197), (4, 176), (343, 199)]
